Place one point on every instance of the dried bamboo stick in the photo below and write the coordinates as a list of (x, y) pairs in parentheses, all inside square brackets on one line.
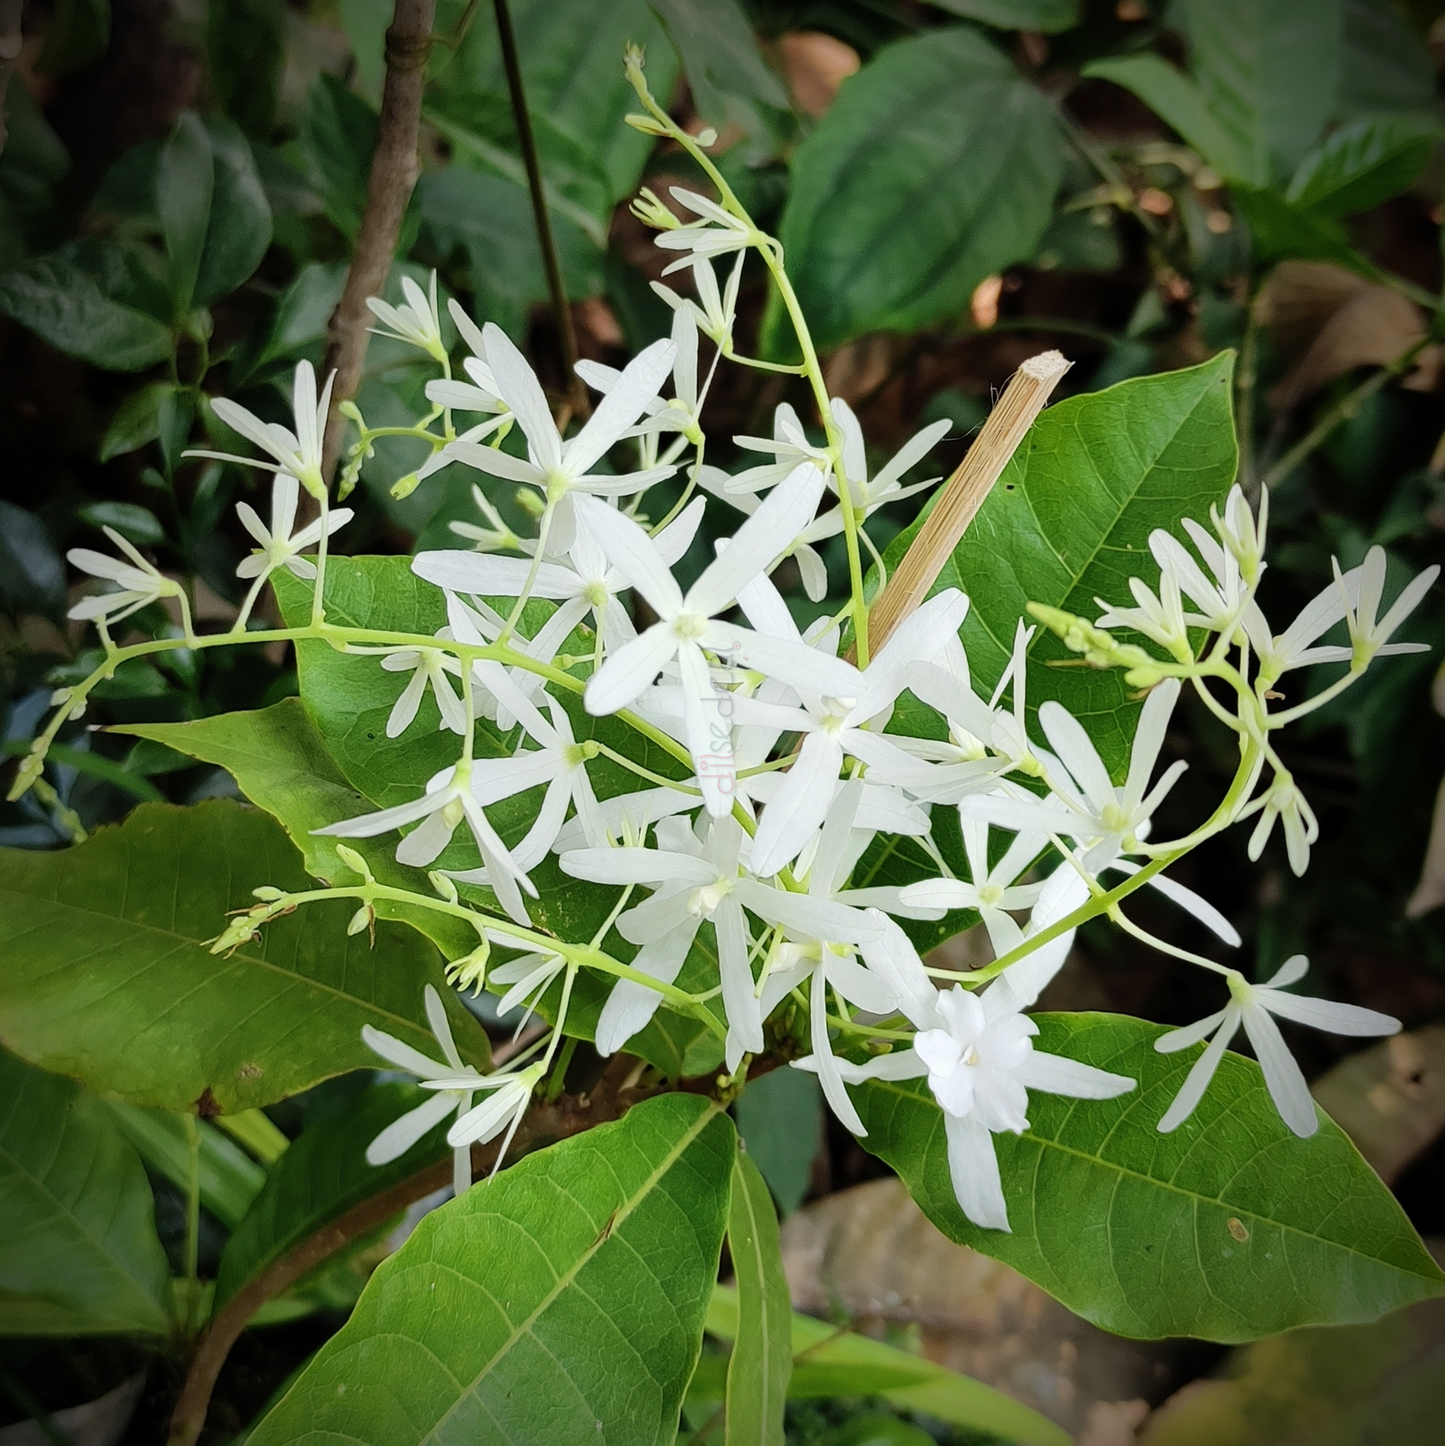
[(964, 492)]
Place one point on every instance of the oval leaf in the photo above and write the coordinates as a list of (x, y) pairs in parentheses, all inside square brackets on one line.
[(936, 166), (1228, 1229), (79, 1253), (563, 1301), (762, 1358), (108, 976)]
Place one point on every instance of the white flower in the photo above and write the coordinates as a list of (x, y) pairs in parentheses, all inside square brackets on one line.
[(416, 323), (528, 975), (447, 801), (1219, 600), (1296, 647), (560, 468), (1253, 1006), (835, 728), (139, 582), (455, 1096), (296, 453), (713, 311), (428, 667), (499, 537), (561, 765), (790, 449), (1084, 804), (991, 890), (278, 547), (1160, 618), (586, 581), (1284, 801), (717, 233), (1242, 534), (687, 625), (981, 1062), (512, 1094), (1370, 638), (681, 412)]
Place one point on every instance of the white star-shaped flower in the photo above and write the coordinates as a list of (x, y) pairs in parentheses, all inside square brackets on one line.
[(139, 583), (278, 547)]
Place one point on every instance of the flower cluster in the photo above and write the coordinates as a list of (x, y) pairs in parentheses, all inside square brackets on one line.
[(788, 774)]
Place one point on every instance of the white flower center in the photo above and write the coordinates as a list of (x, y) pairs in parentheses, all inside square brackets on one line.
[(990, 894), (689, 626), (704, 900)]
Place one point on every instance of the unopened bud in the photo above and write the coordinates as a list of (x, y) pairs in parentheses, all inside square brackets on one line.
[(405, 486), (706, 138), (529, 502), (268, 893), (649, 209), (443, 885), (353, 861), (363, 918), (645, 124), (31, 767)]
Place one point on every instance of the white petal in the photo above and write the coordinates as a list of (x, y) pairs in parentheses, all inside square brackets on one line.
[(802, 914), (1197, 1080), (1055, 1075), (630, 669), (1189, 901), (744, 1013), (973, 1168), (1148, 740), (631, 1005), (404, 709), (632, 552), (400, 1135), (488, 1119), (1201, 1029), (674, 540), (801, 803), (1287, 1087), (495, 462), (827, 1067), (636, 866), (487, 575), (795, 663), (523, 393), (1076, 751), (403, 1056), (368, 825), (621, 407), (1326, 1014)]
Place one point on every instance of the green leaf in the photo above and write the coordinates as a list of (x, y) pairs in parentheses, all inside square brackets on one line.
[(1048, 16), (108, 976), (365, 23), (229, 1178), (1267, 70), (245, 50), (1176, 99), (562, 1301), (1228, 1229), (571, 54), (1364, 163), (829, 1362), (56, 300), (779, 1117), (725, 72), (322, 1175), (184, 183), (32, 576), (136, 421), (338, 136), (129, 519), (488, 218), (78, 33), (1280, 230), (239, 230), (762, 1358), (79, 1253), (1384, 65), (936, 166), (1070, 519)]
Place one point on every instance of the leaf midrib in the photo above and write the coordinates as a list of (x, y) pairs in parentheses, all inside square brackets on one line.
[(890, 1087), (564, 1281), (252, 959)]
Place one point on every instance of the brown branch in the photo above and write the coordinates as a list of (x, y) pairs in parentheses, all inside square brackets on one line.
[(545, 1123), (394, 169), (963, 494)]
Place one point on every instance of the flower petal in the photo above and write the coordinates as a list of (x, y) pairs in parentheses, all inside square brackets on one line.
[(630, 669), (632, 552), (520, 389), (621, 407), (1287, 1087), (401, 1134), (1056, 1075), (1197, 1080), (973, 1169)]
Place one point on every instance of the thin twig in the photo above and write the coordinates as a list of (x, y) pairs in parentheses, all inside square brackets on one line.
[(521, 117), (963, 494), (1342, 411), (394, 169), (546, 1122)]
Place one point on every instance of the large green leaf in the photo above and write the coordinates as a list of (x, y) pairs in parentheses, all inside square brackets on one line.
[(1385, 65), (1228, 1229), (571, 55), (829, 1362), (184, 185), (1049, 16), (1268, 71), (56, 300), (563, 1301), (322, 1175), (936, 165), (108, 976), (762, 1358), (1364, 163), (245, 53), (79, 1253), (239, 229), (1070, 520)]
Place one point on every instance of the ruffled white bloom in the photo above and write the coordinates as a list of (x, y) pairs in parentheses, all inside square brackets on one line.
[(454, 1081), (296, 453), (448, 801), (429, 667), (417, 322), (586, 581), (1253, 1006), (1084, 804), (1369, 637), (993, 891), (139, 583), (556, 467), (278, 548), (835, 729), (716, 233), (713, 311), (687, 625)]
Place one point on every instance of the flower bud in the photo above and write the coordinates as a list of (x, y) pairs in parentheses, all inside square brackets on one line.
[(405, 486), (443, 885), (268, 893), (363, 918), (649, 209), (645, 124), (353, 861), (471, 971)]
